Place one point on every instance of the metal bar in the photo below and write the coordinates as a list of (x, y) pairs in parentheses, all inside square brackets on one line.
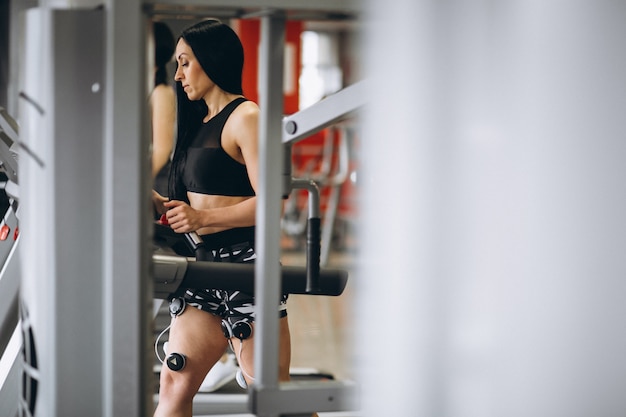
[(287, 171), (11, 374), (128, 290), (267, 285), (313, 234), (8, 125), (296, 398), (8, 144), (335, 182), (63, 107), (314, 195), (9, 288), (334, 6), (329, 223), (324, 113), (214, 403)]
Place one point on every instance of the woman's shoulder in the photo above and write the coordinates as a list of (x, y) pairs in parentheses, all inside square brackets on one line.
[(242, 122), (247, 111), (248, 106)]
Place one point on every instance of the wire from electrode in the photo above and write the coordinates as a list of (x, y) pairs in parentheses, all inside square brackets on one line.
[(240, 358), (156, 343)]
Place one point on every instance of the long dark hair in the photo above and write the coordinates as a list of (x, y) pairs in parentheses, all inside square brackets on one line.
[(220, 54), (164, 46)]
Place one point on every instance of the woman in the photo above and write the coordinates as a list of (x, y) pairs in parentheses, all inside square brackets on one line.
[(212, 190)]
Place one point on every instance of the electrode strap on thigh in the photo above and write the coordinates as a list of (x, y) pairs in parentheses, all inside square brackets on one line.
[(177, 306), (174, 361), (241, 329)]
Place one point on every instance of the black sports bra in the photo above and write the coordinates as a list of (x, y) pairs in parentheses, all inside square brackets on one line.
[(208, 168)]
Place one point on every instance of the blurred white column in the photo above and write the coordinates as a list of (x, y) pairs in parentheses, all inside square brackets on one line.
[(491, 276)]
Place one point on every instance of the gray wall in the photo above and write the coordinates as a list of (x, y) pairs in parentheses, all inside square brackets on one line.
[(492, 265)]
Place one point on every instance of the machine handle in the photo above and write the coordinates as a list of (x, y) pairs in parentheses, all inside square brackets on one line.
[(196, 244), (313, 245)]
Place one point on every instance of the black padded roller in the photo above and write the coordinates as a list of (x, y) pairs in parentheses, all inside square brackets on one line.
[(229, 276)]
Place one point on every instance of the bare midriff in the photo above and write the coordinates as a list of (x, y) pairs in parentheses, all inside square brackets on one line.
[(205, 201)]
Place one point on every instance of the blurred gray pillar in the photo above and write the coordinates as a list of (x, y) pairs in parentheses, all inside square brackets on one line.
[(4, 51), (129, 381), (60, 183), (491, 276), (85, 256)]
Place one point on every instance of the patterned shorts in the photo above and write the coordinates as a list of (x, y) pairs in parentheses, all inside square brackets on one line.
[(232, 306)]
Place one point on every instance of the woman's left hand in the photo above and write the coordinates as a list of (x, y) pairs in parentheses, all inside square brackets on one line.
[(181, 217), (159, 202)]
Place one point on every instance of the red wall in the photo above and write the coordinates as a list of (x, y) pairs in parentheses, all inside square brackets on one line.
[(249, 30), (307, 153)]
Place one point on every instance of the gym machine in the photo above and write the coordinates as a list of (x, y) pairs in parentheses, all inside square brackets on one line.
[(329, 112), (82, 110), (10, 335), (267, 397)]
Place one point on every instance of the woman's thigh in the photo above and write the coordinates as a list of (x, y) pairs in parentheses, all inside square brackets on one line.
[(198, 336)]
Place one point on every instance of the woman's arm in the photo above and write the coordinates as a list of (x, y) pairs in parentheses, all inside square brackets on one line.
[(163, 103), (183, 218)]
